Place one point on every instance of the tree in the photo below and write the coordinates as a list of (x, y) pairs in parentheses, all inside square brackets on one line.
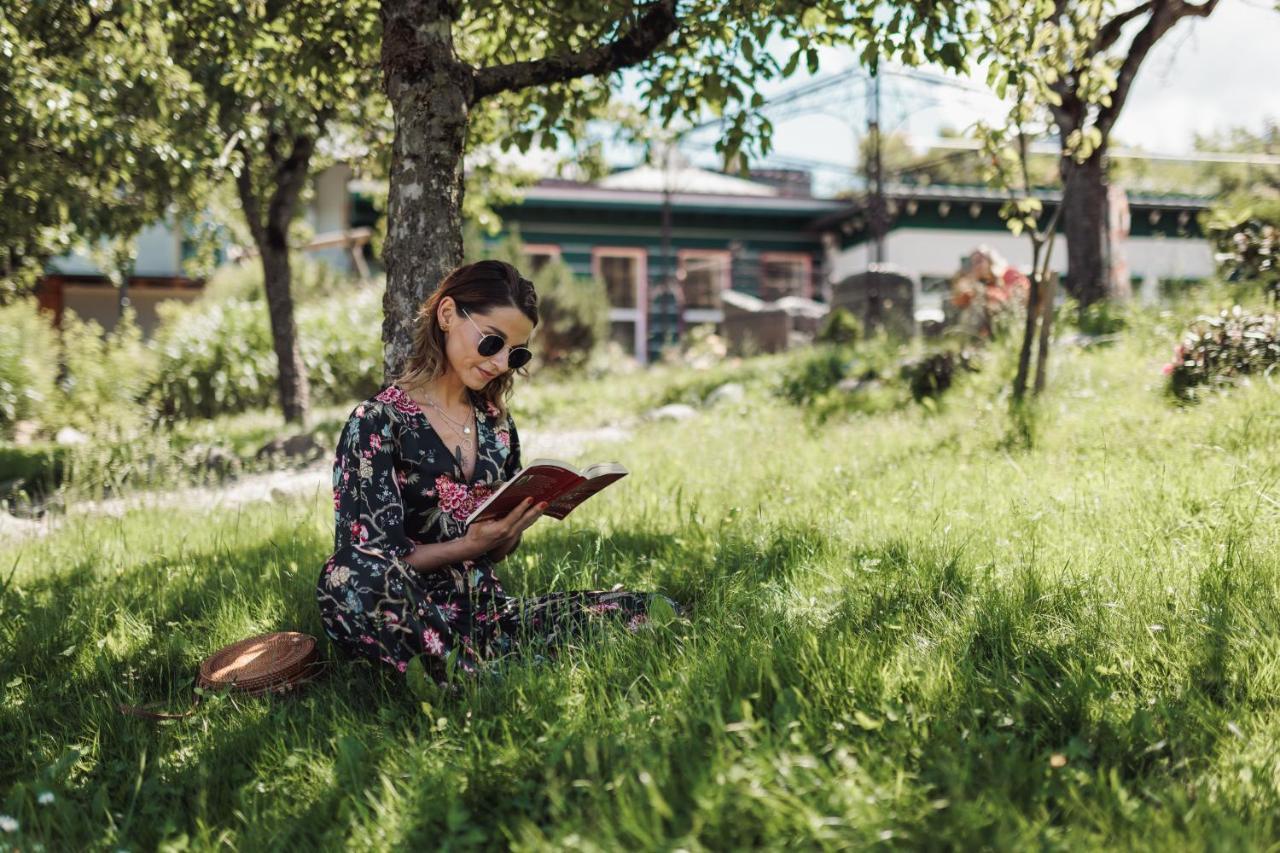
[(447, 64), (98, 135), (1097, 74), (276, 76)]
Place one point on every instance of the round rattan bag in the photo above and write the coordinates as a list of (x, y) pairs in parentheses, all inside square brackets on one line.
[(278, 662)]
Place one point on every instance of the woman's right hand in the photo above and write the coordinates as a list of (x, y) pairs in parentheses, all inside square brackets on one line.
[(483, 536)]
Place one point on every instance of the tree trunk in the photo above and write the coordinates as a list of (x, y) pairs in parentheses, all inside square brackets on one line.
[(1084, 214), (431, 93), (295, 391)]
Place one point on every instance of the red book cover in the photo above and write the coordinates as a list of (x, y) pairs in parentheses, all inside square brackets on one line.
[(558, 483)]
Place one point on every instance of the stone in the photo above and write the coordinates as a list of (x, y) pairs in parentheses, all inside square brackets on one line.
[(729, 392), (71, 436), (673, 412)]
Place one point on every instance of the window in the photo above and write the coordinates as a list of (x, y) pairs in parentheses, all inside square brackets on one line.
[(538, 255), (703, 274), (785, 274), (624, 272)]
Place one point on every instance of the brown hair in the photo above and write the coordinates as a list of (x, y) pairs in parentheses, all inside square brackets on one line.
[(475, 288)]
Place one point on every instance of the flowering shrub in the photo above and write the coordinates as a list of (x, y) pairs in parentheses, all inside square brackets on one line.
[(1217, 351)]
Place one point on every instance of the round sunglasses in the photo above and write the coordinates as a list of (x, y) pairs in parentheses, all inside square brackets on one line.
[(491, 345)]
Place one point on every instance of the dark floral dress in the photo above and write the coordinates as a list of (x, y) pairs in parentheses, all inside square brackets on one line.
[(395, 483)]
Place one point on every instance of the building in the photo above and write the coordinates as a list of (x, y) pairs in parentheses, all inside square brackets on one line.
[(667, 242)]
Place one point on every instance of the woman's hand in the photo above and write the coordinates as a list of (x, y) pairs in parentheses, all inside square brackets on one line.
[(485, 536)]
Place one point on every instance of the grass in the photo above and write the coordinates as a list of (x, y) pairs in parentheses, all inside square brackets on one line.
[(922, 627)]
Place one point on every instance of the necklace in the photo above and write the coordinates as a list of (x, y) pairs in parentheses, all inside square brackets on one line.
[(458, 425)]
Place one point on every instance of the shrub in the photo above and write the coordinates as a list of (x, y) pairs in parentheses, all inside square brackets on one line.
[(931, 375), (106, 376), (218, 357), (1246, 237), (814, 375), (1218, 351), (840, 326), (573, 316), (28, 363)]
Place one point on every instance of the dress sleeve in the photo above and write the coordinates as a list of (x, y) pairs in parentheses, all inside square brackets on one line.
[(369, 509), (512, 464)]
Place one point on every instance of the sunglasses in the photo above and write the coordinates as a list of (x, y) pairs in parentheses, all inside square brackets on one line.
[(491, 345)]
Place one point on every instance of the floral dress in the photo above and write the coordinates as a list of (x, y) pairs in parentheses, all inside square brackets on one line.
[(396, 483)]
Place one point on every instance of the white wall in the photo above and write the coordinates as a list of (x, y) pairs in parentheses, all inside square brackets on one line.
[(928, 251), (159, 254)]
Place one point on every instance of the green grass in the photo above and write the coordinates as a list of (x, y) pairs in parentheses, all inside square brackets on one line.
[(903, 625)]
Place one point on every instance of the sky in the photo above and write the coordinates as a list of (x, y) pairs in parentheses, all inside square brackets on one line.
[(1203, 76)]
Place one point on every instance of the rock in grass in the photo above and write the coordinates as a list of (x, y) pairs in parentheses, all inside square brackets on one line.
[(672, 412)]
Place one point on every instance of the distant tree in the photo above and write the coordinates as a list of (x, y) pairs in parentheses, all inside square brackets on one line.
[(1094, 55), (277, 77), (445, 63), (98, 135)]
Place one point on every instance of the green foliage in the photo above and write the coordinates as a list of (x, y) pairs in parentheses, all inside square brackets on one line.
[(815, 374), (931, 375), (35, 470), (1246, 237), (1099, 318), (840, 326), (28, 363), (1220, 351), (99, 132), (574, 316), (216, 357), (104, 378)]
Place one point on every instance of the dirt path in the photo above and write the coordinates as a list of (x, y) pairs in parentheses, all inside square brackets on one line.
[(312, 480)]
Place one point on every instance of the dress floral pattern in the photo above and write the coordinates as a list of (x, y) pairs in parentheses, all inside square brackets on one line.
[(395, 483)]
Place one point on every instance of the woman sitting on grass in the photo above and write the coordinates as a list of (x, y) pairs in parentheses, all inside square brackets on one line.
[(408, 577)]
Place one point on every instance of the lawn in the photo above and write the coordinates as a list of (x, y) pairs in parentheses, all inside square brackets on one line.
[(927, 627)]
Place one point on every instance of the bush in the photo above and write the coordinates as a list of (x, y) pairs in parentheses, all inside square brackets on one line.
[(841, 326), (28, 362), (218, 357), (814, 375), (573, 316), (1246, 237), (106, 377), (1218, 351), (931, 375)]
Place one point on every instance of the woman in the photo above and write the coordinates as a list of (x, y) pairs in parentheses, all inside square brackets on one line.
[(408, 577)]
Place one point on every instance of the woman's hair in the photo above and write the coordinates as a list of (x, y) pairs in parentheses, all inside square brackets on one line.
[(475, 288)]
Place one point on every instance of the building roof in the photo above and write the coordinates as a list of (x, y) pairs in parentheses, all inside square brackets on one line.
[(684, 179)]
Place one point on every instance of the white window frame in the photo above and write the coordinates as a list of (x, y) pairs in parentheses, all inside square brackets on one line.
[(639, 315), (550, 250), (805, 259), (705, 315)]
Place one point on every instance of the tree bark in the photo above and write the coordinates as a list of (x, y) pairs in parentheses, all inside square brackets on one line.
[(271, 235), (1084, 215), (430, 92)]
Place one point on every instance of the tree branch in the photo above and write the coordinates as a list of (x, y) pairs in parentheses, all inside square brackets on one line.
[(1164, 16), (633, 46), (1110, 31)]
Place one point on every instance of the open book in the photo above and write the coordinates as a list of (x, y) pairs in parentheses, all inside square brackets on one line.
[(558, 483)]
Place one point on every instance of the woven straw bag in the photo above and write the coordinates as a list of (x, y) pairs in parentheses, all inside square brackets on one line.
[(278, 662)]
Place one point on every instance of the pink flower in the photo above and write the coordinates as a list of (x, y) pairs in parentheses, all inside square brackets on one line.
[(360, 411), (504, 437), (604, 607), (375, 441), (401, 665), (367, 640), (456, 499), (337, 498), (390, 616), (400, 400), (449, 610), (1168, 368), (359, 531), (636, 622), (432, 643)]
